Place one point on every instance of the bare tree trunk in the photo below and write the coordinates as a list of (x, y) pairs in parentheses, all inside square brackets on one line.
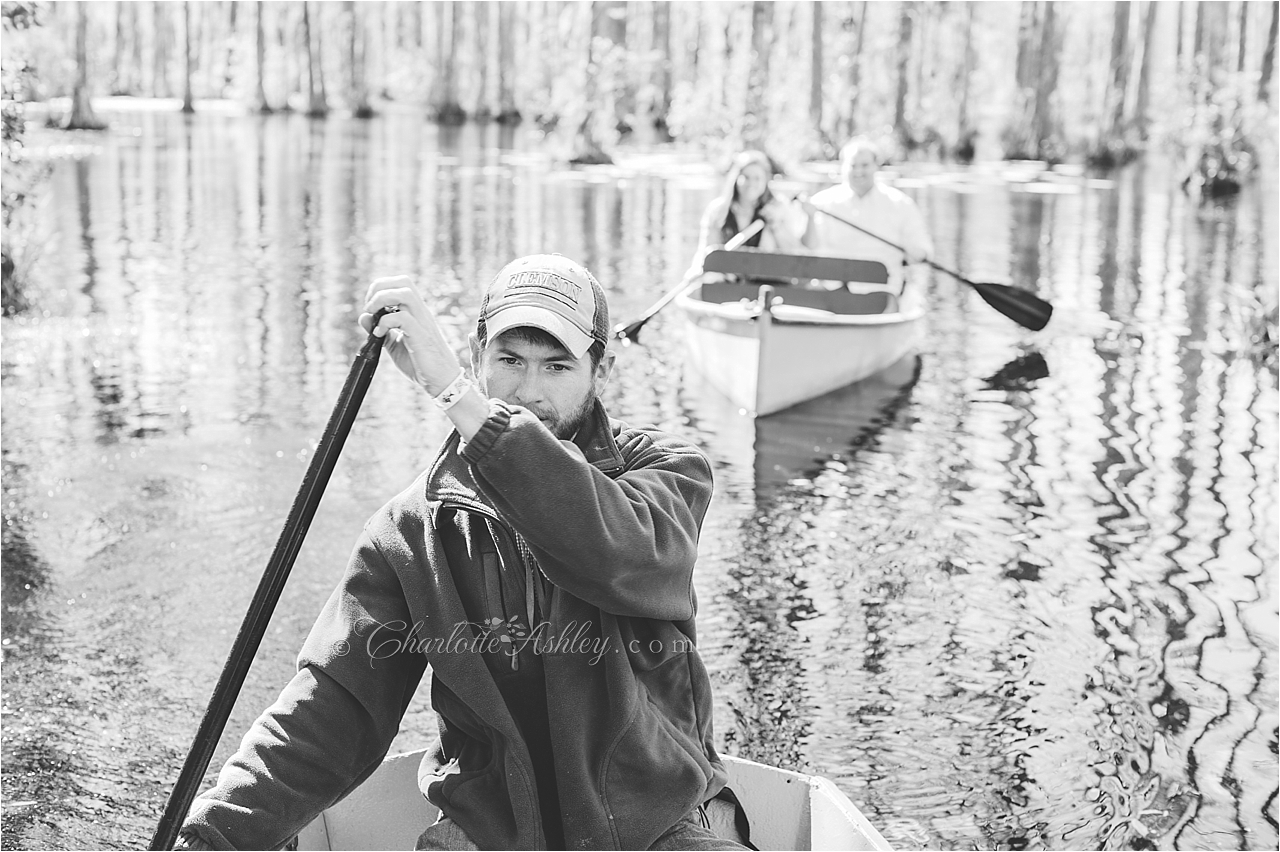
[(605, 16), (1180, 54), (661, 105), (1241, 39), (1198, 45), (316, 102), (137, 66), (1220, 24), (188, 60), (755, 120), (484, 13), (1142, 105), (287, 25), (160, 58), (260, 54), (230, 59), (319, 60), (1267, 76), (855, 71), (415, 25), (1019, 135), (507, 111), (965, 134), (121, 83), (312, 93), (623, 92), (816, 70), (697, 43), (1044, 122), (82, 116), (358, 48), (436, 94), (900, 129), (444, 106), (1119, 80)]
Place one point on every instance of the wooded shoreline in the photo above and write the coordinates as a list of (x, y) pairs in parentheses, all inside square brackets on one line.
[(1021, 80)]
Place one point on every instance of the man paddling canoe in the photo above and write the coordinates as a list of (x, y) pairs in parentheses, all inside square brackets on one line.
[(871, 221), (542, 566)]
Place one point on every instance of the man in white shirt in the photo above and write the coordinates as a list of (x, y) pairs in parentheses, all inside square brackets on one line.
[(873, 206)]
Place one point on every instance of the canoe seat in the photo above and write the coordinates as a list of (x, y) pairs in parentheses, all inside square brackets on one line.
[(835, 301), (783, 267)]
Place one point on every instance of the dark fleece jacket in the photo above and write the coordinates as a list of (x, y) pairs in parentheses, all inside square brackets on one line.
[(629, 701)]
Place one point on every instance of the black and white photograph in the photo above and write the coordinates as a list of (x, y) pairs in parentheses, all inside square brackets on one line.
[(640, 425)]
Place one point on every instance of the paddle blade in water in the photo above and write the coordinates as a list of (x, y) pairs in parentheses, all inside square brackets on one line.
[(1026, 309)]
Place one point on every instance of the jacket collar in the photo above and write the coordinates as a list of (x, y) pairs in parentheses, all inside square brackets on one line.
[(450, 479)]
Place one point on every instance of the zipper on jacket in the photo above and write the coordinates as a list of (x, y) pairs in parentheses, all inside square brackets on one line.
[(527, 561)]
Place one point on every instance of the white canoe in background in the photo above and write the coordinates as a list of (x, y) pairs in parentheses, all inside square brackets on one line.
[(769, 348), (787, 810)]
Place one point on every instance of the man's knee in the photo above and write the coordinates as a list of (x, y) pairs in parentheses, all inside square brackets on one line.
[(710, 827), (446, 836)]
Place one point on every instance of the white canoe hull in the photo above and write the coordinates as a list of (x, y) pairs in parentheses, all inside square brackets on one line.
[(787, 810), (767, 362)]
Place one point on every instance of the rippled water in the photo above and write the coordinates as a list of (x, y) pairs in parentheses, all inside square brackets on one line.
[(1018, 592)]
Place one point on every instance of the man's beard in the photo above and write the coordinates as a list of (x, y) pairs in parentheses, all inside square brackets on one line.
[(567, 426)]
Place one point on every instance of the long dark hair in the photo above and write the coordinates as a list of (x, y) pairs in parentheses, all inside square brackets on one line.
[(729, 192)]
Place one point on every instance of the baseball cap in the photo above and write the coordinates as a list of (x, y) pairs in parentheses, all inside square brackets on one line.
[(550, 292)]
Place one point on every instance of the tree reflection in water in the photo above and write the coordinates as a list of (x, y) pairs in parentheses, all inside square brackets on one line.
[(1019, 592)]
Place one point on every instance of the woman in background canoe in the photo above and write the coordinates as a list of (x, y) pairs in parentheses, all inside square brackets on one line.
[(745, 199)]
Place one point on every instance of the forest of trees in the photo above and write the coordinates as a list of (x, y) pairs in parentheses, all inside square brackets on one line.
[(1098, 82), (949, 80)]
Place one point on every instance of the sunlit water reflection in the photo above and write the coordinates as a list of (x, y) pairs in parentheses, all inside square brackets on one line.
[(1016, 592)]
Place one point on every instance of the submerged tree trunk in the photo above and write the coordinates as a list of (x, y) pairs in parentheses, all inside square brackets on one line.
[(82, 116), (188, 60)]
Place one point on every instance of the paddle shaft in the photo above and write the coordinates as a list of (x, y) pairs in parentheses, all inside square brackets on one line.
[(633, 328), (267, 596), (892, 244), (1021, 306)]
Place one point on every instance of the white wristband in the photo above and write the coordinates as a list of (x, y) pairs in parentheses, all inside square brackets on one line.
[(456, 390)]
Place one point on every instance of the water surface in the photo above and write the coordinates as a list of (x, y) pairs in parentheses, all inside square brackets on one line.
[(1017, 592)]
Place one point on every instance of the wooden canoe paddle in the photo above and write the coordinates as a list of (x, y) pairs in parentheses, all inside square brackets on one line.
[(631, 331)]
